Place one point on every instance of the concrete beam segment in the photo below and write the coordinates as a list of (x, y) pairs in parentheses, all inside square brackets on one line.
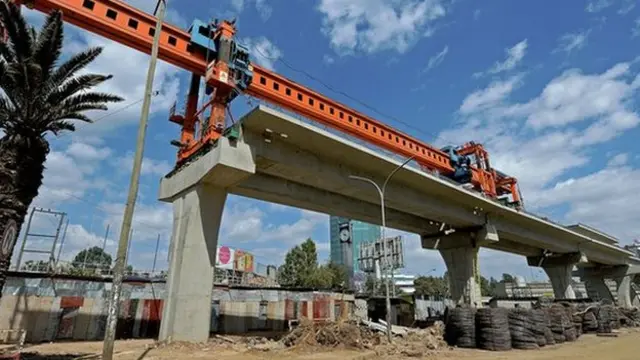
[(278, 190), (198, 193), (197, 213), (223, 166), (430, 191), (461, 238), (281, 159)]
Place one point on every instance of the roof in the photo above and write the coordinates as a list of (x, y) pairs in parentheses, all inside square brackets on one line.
[(593, 233)]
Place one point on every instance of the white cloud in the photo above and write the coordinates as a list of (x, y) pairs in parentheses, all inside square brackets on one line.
[(574, 97), (635, 32), (327, 59), (373, 25), (490, 96), (262, 7), (541, 140), (574, 41), (249, 224), (84, 151), (150, 166), (515, 54), (437, 59), (595, 6), (69, 174), (618, 160), (149, 220), (606, 199), (263, 51), (627, 6)]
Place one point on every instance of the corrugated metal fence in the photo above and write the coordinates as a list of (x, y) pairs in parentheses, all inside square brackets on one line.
[(70, 309), (426, 308)]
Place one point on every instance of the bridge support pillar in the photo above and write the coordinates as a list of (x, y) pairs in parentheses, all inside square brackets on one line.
[(596, 288), (623, 275), (559, 269), (459, 251), (198, 193)]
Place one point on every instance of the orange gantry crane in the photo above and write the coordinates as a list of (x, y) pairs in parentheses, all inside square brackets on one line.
[(209, 50)]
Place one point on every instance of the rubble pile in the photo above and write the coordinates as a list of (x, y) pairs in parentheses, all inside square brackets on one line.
[(363, 334), (348, 334)]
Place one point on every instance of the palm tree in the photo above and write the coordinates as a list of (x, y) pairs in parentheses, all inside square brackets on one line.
[(37, 97)]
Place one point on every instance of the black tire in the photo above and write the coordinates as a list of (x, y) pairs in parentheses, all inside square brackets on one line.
[(492, 326), (460, 329), (523, 329)]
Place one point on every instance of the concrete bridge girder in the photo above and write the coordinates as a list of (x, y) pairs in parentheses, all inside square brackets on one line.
[(284, 160)]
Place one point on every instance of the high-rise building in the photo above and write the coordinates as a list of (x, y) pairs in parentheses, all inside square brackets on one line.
[(358, 232)]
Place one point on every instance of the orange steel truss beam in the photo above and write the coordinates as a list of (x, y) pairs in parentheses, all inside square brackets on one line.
[(129, 26)]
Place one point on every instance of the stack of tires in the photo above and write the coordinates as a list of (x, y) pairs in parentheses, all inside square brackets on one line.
[(460, 327), (523, 329), (492, 325)]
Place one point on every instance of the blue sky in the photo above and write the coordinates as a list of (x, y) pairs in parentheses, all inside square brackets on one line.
[(552, 94)]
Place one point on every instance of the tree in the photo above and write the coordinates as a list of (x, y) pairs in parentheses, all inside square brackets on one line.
[(431, 286), (507, 278), (91, 259), (300, 269), (37, 97)]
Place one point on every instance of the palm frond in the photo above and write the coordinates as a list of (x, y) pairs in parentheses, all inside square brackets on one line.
[(17, 29), (90, 98), (58, 126), (75, 85), (76, 63), (49, 45)]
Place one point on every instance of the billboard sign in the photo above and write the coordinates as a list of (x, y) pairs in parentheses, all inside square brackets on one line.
[(243, 261), (225, 257), (373, 251)]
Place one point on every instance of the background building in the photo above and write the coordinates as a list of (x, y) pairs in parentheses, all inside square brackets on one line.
[(360, 232)]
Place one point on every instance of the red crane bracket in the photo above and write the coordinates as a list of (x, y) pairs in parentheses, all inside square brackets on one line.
[(228, 72)]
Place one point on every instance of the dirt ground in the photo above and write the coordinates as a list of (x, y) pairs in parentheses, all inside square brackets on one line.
[(588, 347)]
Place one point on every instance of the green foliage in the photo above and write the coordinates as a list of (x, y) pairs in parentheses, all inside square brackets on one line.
[(91, 259), (431, 286), (301, 269), (507, 278)]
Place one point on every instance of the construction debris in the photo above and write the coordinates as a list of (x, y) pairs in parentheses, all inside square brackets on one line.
[(368, 335)]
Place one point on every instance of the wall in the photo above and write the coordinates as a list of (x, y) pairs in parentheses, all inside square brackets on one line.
[(71, 309)]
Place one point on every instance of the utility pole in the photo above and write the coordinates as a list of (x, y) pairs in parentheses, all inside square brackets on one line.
[(387, 266), (118, 273)]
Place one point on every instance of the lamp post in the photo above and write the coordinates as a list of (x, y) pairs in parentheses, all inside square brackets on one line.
[(381, 191)]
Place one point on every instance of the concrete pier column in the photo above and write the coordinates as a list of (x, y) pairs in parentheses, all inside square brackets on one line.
[(596, 287), (196, 222), (561, 280), (463, 277), (198, 192), (624, 291), (459, 251), (559, 269), (623, 275)]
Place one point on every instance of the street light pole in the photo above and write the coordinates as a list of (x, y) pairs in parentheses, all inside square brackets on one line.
[(387, 267), (123, 243)]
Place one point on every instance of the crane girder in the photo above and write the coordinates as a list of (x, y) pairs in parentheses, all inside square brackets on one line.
[(209, 50)]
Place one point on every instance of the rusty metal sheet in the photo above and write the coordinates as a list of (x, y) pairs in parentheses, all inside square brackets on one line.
[(71, 302)]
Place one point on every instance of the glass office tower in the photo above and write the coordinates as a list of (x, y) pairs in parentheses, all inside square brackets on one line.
[(360, 232)]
